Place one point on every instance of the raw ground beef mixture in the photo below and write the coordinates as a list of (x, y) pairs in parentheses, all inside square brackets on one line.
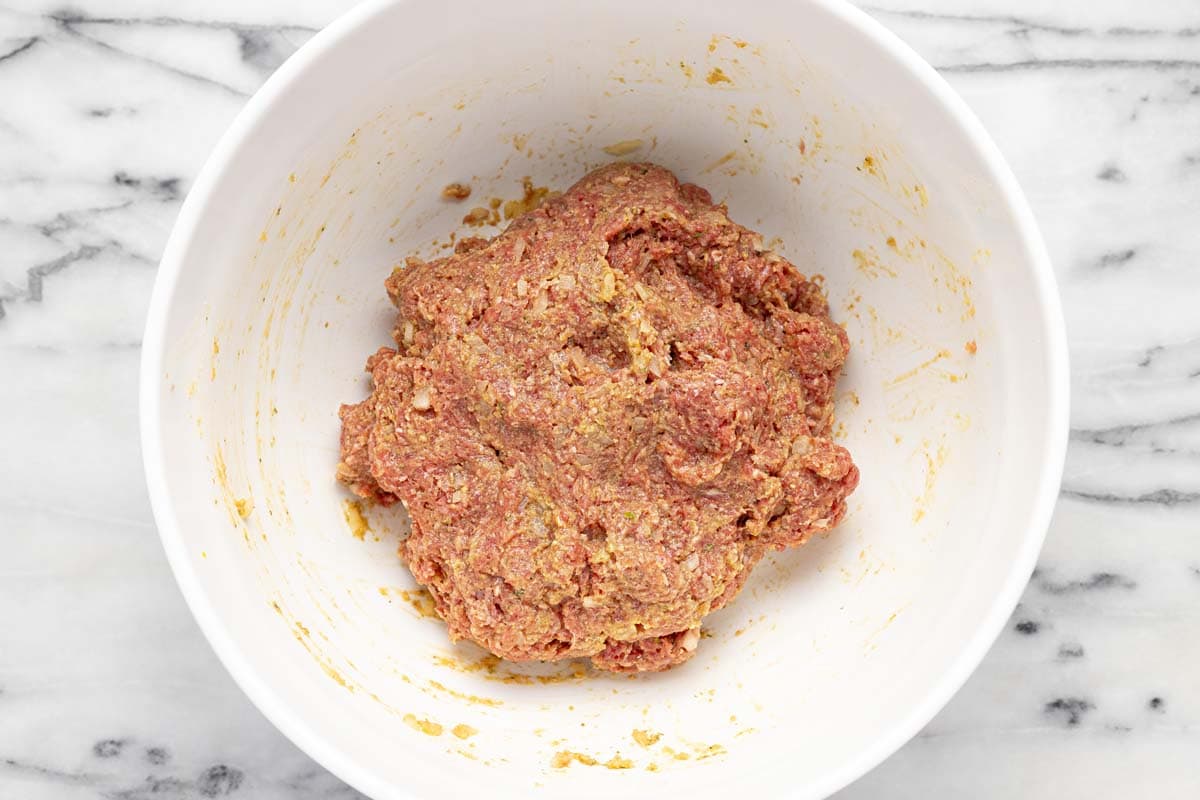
[(600, 420)]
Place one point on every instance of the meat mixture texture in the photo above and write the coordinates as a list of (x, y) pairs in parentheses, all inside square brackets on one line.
[(600, 420)]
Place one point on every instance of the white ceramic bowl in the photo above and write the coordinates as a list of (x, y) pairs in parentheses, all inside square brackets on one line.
[(818, 127)]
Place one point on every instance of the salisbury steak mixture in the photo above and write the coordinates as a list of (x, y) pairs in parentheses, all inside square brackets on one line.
[(600, 420)]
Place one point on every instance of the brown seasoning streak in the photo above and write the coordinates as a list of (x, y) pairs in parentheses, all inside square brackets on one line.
[(533, 197), (463, 731), (577, 671), (473, 699), (717, 75), (563, 758), (646, 738), (624, 147), (421, 601), (425, 726), (352, 510), (245, 507)]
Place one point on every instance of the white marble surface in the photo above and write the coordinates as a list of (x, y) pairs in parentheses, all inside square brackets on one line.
[(107, 688)]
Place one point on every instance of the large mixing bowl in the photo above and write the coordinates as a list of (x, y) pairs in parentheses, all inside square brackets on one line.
[(818, 128)]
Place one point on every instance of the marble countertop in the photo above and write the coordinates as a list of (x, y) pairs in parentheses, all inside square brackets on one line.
[(107, 688)]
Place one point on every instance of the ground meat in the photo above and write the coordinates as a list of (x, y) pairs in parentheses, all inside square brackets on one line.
[(600, 420)]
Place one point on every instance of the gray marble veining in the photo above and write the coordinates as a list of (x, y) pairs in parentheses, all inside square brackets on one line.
[(109, 109)]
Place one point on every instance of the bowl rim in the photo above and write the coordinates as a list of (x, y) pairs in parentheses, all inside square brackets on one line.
[(341, 763)]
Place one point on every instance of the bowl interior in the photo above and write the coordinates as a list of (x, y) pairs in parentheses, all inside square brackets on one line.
[(818, 134)]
